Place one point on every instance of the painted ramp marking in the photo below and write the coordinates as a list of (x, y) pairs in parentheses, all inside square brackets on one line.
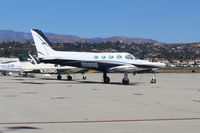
[(100, 121)]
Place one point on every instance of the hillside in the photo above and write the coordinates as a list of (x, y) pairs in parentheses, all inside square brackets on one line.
[(9, 36), (146, 50)]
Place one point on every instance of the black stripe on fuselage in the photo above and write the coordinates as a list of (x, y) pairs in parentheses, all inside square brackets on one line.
[(102, 66), (143, 66)]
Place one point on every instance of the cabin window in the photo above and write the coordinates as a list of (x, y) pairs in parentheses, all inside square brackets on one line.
[(56, 65), (119, 56), (129, 57), (110, 56), (96, 57), (103, 57)]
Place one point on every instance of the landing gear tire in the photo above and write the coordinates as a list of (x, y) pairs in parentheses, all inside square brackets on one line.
[(84, 77), (153, 81), (125, 81), (69, 77), (59, 77), (106, 80)]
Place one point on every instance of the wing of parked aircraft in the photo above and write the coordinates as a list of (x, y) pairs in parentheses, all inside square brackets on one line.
[(104, 62), (42, 68)]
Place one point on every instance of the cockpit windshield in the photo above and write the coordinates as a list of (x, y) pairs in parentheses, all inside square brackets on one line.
[(130, 57)]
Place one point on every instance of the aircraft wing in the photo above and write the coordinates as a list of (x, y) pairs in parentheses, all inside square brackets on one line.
[(124, 68), (8, 62), (74, 70), (138, 66), (132, 68)]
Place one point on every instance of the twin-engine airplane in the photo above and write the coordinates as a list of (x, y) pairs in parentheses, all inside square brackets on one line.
[(104, 62)]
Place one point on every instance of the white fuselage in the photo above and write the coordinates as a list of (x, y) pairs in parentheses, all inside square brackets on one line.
[(98, 60), (10, 65)]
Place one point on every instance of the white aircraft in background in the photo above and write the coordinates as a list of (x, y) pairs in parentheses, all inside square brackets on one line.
[(104, 62), (9, 65), (33, 67)]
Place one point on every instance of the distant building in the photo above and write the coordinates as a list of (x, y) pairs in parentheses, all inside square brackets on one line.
[(197, 61), (176, 62), (162, 60)]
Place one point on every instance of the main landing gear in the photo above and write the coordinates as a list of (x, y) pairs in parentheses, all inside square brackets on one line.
[(69, 77), (59, 77), (125, 80), (84, 77), (106, 79)]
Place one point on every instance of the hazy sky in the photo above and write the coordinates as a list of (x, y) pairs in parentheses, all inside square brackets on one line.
[(163, 20)]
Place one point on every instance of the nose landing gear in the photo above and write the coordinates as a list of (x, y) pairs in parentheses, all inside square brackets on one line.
[(153, 79)]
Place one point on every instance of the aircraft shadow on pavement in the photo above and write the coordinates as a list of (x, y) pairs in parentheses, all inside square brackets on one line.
[(55, 82), (23, 128), (75, 81), (80, 81), (32, 83), (111, 83), (20, 79)]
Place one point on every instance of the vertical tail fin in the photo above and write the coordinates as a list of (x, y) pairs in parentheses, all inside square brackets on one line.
[(42, 44)]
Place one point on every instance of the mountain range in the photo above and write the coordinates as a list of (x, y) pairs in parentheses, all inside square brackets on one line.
[(9, 35)]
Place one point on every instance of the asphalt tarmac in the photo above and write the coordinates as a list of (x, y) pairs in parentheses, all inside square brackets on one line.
[(47, 105)]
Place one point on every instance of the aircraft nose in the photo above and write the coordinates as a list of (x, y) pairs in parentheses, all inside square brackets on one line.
[(161, 65), (158, 64)]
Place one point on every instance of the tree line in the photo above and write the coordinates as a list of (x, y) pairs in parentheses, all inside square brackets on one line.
[(167, 51)]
